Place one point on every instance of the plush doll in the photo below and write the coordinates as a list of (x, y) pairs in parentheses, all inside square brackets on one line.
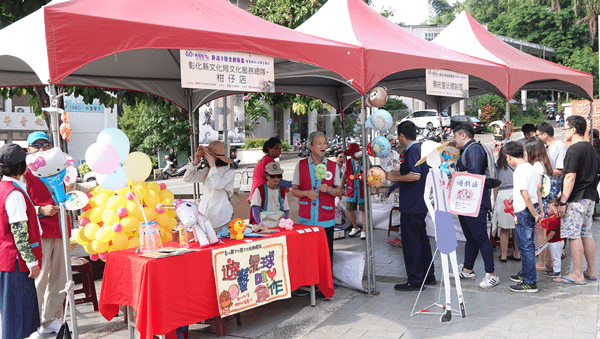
[(187, 212), (377, 98)]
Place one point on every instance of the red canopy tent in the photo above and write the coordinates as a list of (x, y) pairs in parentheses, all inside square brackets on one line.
[(525, 71)]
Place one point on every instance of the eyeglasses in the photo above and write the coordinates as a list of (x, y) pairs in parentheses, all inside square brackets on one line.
[(40, 145), (539, 134), (278, 176)]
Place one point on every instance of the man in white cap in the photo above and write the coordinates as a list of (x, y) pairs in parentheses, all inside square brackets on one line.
[(269, 196)]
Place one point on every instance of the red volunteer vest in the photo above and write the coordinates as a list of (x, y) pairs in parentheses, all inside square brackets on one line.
[(326, 202), (261, 190), (41, 196), (350, 189), (8, 248)]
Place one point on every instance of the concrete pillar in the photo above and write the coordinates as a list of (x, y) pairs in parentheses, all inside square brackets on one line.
[(329, 119), (8, 105), (461, 105), (312, 121), (524, 100), (287, 128)]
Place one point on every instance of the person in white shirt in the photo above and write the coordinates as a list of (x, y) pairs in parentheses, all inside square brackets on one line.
[(217, 180)]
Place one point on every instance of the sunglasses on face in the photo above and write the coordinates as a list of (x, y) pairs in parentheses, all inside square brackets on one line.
[(278, 176), (39, 145)]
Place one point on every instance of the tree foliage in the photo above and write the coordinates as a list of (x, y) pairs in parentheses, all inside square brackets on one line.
[(254, 109)]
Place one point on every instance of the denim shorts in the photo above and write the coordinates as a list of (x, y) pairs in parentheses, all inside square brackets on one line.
[(577, 222)]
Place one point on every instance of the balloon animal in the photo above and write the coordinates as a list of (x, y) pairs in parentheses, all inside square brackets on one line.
[(65, 127), (187, 212)]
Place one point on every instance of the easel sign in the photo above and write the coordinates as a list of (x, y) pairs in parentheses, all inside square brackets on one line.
[(466, 191), (251, 274)]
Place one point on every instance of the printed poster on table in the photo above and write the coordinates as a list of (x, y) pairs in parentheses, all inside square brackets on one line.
[(223, 70), (251, 274), (466, 191)]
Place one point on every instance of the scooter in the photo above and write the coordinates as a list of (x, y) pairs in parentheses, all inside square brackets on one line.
[(303, 152), (236, 162), (170, 170)]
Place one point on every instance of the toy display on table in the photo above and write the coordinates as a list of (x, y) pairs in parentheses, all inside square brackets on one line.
[(376, 177), (236, 228), (286, 224), (191, 218)]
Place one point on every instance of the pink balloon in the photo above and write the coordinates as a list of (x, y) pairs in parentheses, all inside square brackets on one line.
[(83, 221), (102, 158), (103, 256), (159, 208), (122, 212), (93, 257), (117, 227), (129, 195), (162, 186), (234, 290)]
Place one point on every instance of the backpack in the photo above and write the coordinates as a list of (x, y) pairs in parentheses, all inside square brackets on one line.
[(491, 171)]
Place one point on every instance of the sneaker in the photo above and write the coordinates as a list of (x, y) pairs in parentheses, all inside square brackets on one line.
[(523, 287), (464, 275), (363, 235), (300, 292), (53, 327), (489, 281), (396, 242), (553, 274), (353, 232), (517, 277)]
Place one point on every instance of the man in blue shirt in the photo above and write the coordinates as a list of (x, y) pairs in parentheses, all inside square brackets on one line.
[(473, 159), (415, 243)]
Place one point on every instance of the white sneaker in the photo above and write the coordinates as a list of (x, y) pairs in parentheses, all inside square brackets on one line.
[(53, 327), (489, 281), (363, 235), (462, 274), (353, 232)]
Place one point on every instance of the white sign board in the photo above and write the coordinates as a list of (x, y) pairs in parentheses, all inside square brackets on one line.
[(466, 192), (447, 83), (21, 121), (233, 71)]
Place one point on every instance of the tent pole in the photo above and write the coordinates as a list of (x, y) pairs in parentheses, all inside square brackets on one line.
[(368, 208), (507, 113), (63, 219), (193, 134), (341, 112), (225, 127)]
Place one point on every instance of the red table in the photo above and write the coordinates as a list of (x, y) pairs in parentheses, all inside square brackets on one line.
[(180, 290)]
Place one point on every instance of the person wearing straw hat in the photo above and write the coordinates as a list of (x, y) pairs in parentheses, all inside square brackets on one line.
[(217, 180), (415, 243), (20, 249)]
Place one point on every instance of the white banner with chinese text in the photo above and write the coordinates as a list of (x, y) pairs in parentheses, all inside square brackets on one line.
[(232, 71), (22, 121), (466, 191), (447, 83), (251, 274)]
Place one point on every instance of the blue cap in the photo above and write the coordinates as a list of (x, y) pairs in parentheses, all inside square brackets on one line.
[(37, 136)]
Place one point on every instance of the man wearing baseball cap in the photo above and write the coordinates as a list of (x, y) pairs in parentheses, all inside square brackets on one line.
[(269, 196), (355, 195)]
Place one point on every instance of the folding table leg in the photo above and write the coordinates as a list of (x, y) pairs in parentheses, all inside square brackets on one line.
[(130, 322), (313, 299)]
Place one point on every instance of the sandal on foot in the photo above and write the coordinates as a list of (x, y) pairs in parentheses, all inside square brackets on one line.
[(587, 277), (512, 257)]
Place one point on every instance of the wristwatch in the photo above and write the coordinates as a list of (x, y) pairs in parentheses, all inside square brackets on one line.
[(560, 203)]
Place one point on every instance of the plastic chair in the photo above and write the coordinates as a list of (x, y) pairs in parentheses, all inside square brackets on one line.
[(84, 268), (395, 227)]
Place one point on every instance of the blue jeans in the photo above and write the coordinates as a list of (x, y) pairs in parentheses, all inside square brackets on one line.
[(525, 232)]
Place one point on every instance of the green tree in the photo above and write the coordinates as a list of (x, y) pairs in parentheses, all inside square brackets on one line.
[(254, 110), (152, 128), (394, 104), (441, 12), (587, 11), (586, 60)]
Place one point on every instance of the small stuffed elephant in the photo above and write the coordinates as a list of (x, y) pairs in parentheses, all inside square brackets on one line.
[(188, 214)]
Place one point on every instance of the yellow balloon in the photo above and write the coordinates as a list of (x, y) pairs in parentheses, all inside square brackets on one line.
[(95, 190), (105, 234), (172, 224), (138, 166), (122, 191), (151, 198), (133, 210), (128, 234), (129, 224), (88, 248), (166, 195), (85, 214), (90, 230), (134, 242), (120, 241), (92, 202), (136, 233), (153, 186), (96, 214), (110, 217), (105, 191), (80, 237), (165, 236), (115, 202), (163, 220), (99, 246), (101, 199), (172, 214), (111, 248), (150, 213)]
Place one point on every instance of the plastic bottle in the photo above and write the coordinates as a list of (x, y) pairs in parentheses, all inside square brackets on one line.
[(157, 240), (184, 240), (143, 238)]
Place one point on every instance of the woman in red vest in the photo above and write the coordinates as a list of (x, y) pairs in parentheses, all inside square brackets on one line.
[(272, 150), (317, 197), (20, 249)]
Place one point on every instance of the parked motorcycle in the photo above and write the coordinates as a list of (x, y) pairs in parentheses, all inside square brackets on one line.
[(303, 152), (170, 170), (236, 162)]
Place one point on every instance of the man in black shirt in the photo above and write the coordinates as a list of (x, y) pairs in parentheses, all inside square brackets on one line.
[(577, 201)]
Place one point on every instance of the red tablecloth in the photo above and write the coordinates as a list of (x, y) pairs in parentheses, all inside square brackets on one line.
[(180, 290)]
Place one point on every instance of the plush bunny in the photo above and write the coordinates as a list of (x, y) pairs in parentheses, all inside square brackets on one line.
[(188, 214)]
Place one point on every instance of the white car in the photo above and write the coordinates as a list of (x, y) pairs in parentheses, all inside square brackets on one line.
[(428, 118)]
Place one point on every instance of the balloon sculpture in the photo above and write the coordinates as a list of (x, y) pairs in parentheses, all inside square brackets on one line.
[(65, 127), (237, 228), (380, 147), (51, 167), (375, 177), (187, 212)]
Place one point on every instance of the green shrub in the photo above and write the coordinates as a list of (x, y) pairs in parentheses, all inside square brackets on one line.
[(258, 143)]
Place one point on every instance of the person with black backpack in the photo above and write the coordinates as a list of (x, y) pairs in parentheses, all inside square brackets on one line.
[(474, 159)]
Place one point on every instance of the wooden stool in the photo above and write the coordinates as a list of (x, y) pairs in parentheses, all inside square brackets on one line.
[(84, 268)]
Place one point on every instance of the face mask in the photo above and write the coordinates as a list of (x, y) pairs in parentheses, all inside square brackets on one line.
[(358, 154)]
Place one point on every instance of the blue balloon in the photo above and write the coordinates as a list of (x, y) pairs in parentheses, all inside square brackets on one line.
[(56, 182), (114, 181), (380, 120), (117, 139), (381, 147)]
